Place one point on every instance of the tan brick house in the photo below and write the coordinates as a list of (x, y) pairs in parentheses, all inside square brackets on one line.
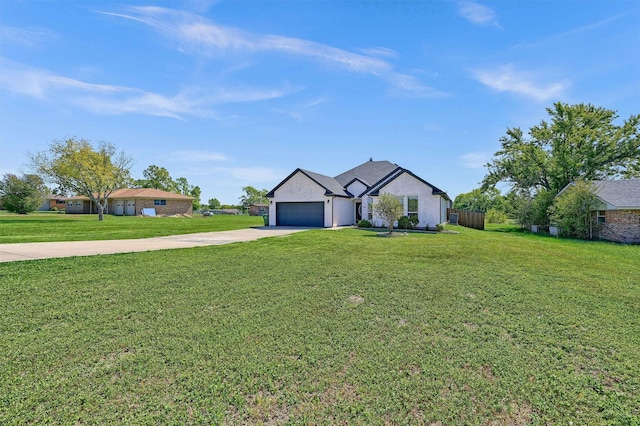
[(618, 216), (131, 202)]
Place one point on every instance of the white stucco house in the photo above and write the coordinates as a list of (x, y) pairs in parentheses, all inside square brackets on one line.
[(306, 198)]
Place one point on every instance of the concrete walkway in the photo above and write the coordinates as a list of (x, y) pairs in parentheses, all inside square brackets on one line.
[(30, 251)]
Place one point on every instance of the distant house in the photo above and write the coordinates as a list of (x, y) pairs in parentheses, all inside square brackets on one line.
[(131, 202), (258, 209), (53, 202), (306, 198), (618, 215)]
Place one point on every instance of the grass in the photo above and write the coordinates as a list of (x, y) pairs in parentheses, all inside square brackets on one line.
[(327, 327), (49, 226)]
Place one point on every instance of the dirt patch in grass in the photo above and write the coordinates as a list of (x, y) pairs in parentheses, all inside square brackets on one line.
[(354, 298)]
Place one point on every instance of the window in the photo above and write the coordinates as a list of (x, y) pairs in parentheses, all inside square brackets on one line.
[(412, 205), (159, 202), (369, 209), (601, 216), (78, 203)]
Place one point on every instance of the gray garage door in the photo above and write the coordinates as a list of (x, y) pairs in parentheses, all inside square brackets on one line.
[(300, 214)]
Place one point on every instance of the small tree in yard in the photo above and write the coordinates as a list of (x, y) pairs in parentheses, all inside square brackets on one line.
[(24, 194), (214, 203), (77, 167), (572, 210), (389, 208)]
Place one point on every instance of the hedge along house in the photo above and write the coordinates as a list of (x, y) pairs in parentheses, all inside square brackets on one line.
[(306, 198), (131, 202), (618, 215)]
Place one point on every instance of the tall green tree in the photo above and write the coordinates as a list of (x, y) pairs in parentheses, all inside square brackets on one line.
[(157, 178), (79, 167), (252, 196), (195, 192), (578, 142), (479, 200), (22, 194), (184, 188), (389, 208), (213, 203)]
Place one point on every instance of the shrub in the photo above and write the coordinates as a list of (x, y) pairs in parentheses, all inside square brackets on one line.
[(440, 227), (404, 223), (364, 224), (53, 209), (495, 216), (572, 211)]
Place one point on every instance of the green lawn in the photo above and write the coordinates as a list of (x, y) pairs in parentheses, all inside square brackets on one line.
[(49, 226), (327, 327)]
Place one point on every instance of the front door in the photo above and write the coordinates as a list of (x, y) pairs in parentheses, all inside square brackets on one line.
[(358, 211)]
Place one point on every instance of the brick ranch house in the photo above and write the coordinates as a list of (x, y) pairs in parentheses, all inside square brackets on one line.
[(131, 202), (618, 215)]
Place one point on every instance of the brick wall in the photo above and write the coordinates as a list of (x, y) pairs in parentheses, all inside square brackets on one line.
[(622, 226), (172, 207)]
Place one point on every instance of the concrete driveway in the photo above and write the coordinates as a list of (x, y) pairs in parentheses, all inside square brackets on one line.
[(30, 251)]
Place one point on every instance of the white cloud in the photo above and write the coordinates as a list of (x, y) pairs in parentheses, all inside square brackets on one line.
[(476, 160), (196, 34), (477, 13), (382, 52), (506, 79), (301, 112), (250, 174), (196, 156), (409, 86), (27, 38), (113, 100), (573, 32)]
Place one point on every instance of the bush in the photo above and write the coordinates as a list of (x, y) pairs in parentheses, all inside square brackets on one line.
[(572, 211), (364, 224), (53, 209), (440, 227), (495, 216), (404, 223)]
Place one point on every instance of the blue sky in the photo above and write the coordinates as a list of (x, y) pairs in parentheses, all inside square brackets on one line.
[(237, 93)]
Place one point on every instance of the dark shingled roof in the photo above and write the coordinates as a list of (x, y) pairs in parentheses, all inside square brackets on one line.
[(620, 193), (369, 173), (332, 186)]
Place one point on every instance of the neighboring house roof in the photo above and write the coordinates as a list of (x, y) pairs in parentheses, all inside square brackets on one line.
[(373, 174), (55, 197), (140, 193), (623, 194)]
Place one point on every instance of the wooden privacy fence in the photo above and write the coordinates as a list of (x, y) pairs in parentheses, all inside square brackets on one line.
[(467, 218)]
